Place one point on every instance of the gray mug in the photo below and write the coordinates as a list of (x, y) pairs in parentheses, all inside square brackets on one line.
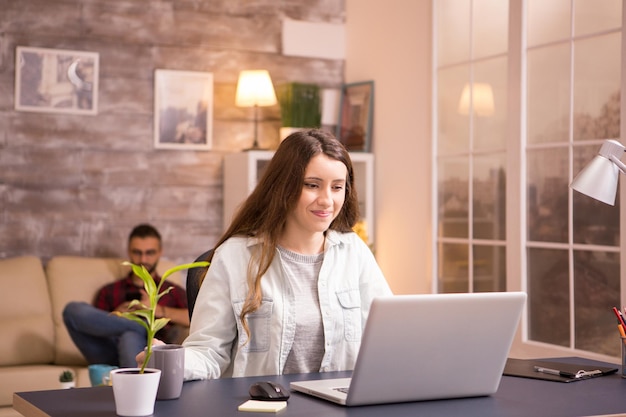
[(170, 359)]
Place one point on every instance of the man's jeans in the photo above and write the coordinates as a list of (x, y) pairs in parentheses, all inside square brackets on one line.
[(102, 337)]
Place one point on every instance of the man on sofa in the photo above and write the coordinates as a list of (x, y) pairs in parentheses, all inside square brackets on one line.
[(103, 337)]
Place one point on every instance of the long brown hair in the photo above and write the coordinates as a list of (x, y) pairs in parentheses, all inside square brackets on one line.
[(264, 213)]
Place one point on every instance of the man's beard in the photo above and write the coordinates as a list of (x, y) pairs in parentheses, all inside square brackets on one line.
[(152, 268)]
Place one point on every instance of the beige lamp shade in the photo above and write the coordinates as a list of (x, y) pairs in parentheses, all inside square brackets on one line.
[(255, 88), (481, 96), (600, 177)]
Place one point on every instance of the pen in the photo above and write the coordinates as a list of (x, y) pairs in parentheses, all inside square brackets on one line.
[(619, 316), (555, 372)]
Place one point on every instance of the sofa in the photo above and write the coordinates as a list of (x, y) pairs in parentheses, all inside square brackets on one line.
[(37, 347)]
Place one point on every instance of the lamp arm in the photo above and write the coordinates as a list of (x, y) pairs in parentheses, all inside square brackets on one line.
[(619, 163)]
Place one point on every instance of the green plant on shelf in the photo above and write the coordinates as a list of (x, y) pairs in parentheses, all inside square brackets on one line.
[(299, 105)]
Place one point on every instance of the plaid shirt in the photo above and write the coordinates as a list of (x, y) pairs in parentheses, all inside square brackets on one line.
[(112, 295)]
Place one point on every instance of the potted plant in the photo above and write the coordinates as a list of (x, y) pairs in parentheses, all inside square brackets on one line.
[(299, 107), (135, 389), (66, 378)]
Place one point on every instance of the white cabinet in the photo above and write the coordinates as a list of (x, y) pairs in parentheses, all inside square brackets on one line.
[(242, 171)]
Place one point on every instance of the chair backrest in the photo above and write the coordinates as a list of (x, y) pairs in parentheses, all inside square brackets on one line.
[(194, 279)]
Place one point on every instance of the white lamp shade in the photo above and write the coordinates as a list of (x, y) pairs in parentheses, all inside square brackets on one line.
[(481, 98), (599, 178), (255, 88)]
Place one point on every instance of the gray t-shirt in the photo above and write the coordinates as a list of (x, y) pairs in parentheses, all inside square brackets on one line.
[(308, 347)]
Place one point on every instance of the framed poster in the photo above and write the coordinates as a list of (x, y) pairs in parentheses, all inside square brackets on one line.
[(356, 106), (183, 109), (56, 81)]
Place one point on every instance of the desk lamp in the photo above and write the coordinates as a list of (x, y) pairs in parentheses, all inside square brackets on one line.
[(255, 89), (599, 178)]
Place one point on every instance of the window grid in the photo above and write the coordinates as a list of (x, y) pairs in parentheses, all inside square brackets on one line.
[(470, 154), (572, 147)]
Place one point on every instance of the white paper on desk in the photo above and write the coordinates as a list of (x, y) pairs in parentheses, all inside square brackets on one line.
[(263, 406)]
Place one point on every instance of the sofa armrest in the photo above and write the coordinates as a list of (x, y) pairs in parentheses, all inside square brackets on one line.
[(27, 332)]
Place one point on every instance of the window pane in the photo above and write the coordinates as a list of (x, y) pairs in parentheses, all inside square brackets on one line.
[(548, 296), (490, 126), (490, 26), (453, 198), (489, 196), (547, 194), (597, 87), (548, 94), (594, 222), (489, 268), (548, 21), (589, 18), (453, 271), (453, 125), (596, 291), (453, 40)]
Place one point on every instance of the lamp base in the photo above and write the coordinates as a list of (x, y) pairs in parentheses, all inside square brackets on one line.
[(255, 143), (255, 146)]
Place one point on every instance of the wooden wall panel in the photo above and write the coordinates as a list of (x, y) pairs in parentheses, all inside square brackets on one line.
[(76, 185)]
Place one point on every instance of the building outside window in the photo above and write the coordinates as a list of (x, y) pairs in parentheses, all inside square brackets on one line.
[(567, 256)]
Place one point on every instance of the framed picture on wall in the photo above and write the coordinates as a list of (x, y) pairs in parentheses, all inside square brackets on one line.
[(183, 109), (56, 80), (356, 108)]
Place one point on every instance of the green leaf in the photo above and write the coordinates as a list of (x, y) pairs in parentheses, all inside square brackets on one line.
[(133, 317), (144, 313), (162, 293), (160, 323), (134, 303), (184, 266)]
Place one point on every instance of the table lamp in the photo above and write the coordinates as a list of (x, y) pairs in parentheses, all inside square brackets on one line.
[(481, 97), (255, 89), (599, 178)]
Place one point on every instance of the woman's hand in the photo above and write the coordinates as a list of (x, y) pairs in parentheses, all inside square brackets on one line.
[(142, 355)]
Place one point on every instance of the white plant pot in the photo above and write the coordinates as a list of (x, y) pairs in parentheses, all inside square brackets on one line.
[(135, 393), (66, 385)]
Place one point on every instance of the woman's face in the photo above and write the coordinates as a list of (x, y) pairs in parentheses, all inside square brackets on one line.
[(323, 195)]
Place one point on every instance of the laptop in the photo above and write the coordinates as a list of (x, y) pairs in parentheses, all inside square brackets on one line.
[(427, 347)]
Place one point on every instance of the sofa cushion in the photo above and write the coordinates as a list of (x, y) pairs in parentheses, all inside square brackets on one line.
[(27, 330), (77, 278), (34, 378), (9, 412)]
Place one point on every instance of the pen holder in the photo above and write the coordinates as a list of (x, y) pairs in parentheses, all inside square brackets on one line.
[(623, 349)]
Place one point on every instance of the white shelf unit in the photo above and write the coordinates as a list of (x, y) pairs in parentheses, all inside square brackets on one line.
[(242, 171)]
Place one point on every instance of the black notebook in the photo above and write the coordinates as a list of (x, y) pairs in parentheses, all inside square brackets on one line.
[(554, 371)]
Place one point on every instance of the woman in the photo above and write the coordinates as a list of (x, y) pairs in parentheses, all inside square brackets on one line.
[(290, 285)]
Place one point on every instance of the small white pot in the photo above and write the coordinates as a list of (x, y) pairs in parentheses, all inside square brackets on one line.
[(66, 385), (135, 393)]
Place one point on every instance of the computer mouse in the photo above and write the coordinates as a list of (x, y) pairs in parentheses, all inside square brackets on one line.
[(268, 391)]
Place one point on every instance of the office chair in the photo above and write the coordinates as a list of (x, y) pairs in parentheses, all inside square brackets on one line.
[(194, 279)]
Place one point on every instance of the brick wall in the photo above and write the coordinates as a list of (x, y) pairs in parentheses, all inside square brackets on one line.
[(77, 184)]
